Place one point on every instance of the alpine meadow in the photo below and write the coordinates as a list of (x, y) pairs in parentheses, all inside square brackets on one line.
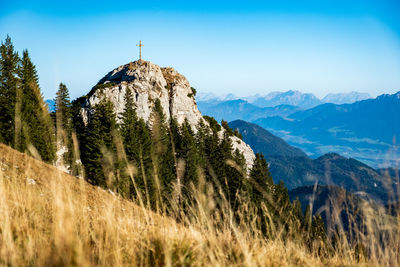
[(144, 168)]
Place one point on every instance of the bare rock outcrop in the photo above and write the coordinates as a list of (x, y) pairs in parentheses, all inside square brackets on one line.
[(148, 82)]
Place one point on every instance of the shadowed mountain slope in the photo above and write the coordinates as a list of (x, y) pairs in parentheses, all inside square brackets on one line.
[(295, 168)]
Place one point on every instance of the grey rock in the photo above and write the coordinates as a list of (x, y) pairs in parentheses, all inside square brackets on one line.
[(149, 82)]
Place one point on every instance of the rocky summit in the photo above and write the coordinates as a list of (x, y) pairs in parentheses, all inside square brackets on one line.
[(148, 82)]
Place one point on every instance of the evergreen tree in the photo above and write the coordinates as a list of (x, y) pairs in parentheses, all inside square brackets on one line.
[(318, 228), (99, 154), (9, 69), (228, 129), (260, 179), (144, 159), (64, 124), (189, 153), (163, 157), (297, 212), (37, 130), (138, 147)]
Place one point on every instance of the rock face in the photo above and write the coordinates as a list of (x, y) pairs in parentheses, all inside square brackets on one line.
[(149, 82)]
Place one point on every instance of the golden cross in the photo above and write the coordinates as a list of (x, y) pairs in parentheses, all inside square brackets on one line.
[(140, 49)]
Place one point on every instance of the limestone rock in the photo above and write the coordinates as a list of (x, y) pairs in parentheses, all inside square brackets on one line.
[(246, 150), (147, 83)]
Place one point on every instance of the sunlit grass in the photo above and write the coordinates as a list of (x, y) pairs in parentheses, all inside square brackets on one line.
[(49, 218)]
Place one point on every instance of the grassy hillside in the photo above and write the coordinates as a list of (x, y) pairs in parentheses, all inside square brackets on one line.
[(49, 218)]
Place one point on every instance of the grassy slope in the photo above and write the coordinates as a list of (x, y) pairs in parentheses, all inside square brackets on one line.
[(50, 218)]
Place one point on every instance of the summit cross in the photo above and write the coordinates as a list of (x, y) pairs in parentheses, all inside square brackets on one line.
[(140, 49)]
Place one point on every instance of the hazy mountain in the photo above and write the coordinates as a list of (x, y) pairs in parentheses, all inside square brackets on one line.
[(243, 110), (345, 98), (211, 97), (364, 130), (293, 98), (295, 168), (264, 142), (273, 104)]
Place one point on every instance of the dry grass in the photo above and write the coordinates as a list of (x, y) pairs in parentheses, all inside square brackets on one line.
[(49, 218)]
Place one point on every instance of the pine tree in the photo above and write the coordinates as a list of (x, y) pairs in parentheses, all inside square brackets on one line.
[(99, 154), (129, 123), (9, 68), (163, 157), (189, 153), (138, 147), (297, 211), (260, 179), (318, 228), (228, 129), (64, 125), (144, 158), (37, 130)]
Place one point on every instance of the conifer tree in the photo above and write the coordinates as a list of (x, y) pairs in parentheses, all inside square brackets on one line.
[(138, 147), (99, 154), (318, 228), (144, 158), (163, 158), (260, 179), (9, 68), (228, 129), (189, 153), (129, 125), (64, 124), (37, 129), (307, 219)]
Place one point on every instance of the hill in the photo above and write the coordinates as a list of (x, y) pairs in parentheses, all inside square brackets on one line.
[(264, 142), (345, 98), (239, 109), (364, 130), (295, 168), (291, 97), (52, 218)]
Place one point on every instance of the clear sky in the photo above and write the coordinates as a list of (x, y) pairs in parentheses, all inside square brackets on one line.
[(240, 47)]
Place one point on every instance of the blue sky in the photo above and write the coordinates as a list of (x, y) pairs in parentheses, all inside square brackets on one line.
[(240, 47)]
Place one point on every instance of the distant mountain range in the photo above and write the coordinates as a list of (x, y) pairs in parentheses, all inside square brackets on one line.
[(291, 97), (241, 109), (345, 98), (365, 130), (296, 169)]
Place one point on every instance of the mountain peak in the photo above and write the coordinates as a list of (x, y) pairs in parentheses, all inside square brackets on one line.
[(148, 82), (345, 98), (139, 69)]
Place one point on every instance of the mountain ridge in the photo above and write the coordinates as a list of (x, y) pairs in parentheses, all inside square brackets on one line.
[(291, 97), (297, 169), (365, 130)]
